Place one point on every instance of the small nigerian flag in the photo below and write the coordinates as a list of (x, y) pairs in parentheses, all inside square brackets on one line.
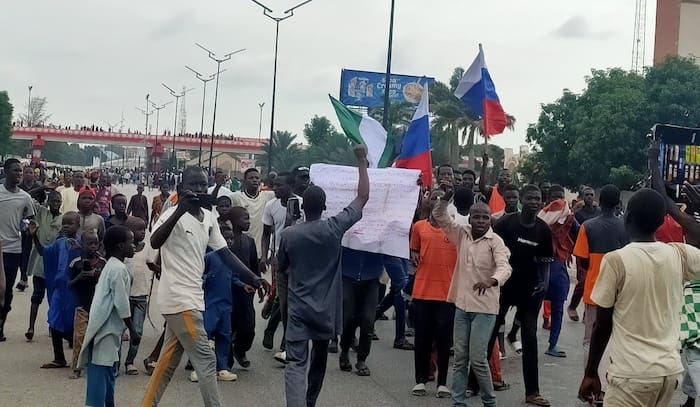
[(362, 129)]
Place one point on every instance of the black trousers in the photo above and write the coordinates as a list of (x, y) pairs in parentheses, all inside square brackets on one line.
[(434, 323), (274, 322), (242, 321), (359, 305), (57, 338), (528, 308), (302, 388)]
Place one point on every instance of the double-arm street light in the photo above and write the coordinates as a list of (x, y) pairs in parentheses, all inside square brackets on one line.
[(218, 61), (268, 13), (177, 96), (157, 108), (204, 80)]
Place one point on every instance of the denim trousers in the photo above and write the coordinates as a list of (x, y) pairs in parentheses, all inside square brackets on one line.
[(472, 332)]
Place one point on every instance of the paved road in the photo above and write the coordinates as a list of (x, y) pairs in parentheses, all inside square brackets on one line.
[(24, 384)]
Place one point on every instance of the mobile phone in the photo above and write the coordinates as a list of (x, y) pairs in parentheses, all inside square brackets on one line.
[(204, 201), (294, 204)]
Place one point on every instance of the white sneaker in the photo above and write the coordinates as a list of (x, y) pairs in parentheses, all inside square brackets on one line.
[(226, 376), (193, 376), (419, 390), (281, 357), (442, 392)]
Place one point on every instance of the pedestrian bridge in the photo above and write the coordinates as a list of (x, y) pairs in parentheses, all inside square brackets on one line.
[(184, 142)]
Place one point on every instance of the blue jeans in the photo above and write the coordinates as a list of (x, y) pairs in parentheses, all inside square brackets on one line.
[(556, 294), (397, 268), (100, 385), (138, 315), (472, 332)]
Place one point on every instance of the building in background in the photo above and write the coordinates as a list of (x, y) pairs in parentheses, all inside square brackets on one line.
[(677, 29)]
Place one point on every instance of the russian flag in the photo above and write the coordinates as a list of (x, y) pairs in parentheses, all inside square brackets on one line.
[(477, 91), (415, 147)]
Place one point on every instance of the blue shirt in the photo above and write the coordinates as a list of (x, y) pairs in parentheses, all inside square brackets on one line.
[(361, 266), (218, 280)]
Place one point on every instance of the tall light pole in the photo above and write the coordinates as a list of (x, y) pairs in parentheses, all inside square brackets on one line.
[(204, 80), (260, 105), (287, 13), (29, 106), (387, 77), (218, 61), (177, 96), (145, 113), (157, 108)]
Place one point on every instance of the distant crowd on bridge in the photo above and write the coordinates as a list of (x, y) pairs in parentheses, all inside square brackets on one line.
[(166, 133)]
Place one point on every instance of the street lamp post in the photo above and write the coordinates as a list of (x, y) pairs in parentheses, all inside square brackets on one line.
[(145, 136), (387, 77), (287, 14), (177, 96), (260, 122), (29, 106), (218, 61), (157, 108), (204, 96)]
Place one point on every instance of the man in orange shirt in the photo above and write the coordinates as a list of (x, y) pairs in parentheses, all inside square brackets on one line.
[(435, 258), (596, 237)]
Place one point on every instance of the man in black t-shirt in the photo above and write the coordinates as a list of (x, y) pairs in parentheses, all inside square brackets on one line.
[(530, 242), (588, 210)]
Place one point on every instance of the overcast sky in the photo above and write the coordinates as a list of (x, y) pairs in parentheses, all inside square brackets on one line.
[(95, 60)]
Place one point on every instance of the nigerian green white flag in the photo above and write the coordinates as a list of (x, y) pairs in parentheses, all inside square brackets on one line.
[(362, 129)]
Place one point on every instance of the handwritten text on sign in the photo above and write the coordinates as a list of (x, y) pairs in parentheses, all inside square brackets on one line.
[(386, 220)]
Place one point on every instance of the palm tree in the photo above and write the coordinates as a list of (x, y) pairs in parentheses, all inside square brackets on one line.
[(286, 152), (336, 149)]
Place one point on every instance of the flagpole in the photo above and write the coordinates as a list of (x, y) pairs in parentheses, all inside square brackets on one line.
[(387, 78)]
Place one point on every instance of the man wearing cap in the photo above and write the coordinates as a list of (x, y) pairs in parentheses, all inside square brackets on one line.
[(301, 180)]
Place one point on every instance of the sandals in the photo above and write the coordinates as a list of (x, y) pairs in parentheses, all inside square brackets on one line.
[(29, 335), (149, 366), (573, 315), (345, 364), (501, 386), (537, 400), (131, 370), (362, 369), (54, 364)]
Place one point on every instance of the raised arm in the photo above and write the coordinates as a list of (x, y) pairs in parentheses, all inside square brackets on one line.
[(687, 222), (444, 220), (483, 187), (363, 182)]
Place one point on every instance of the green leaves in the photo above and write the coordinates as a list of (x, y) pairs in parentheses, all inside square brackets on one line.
[(5, 124), (599, 136)]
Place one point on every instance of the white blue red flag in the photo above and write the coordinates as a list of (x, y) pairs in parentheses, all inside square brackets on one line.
[(415, 147), (477, 91)]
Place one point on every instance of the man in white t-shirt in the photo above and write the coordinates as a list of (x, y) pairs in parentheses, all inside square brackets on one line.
[(70, 195), (253, 200), (277, 215), (183, 234), (639, 293)]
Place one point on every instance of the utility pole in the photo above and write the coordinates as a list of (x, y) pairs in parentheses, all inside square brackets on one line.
[(204, 80), (177, 96), (260, 123)]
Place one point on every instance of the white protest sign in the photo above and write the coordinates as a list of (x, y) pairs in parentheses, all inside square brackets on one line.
[(386, 220)]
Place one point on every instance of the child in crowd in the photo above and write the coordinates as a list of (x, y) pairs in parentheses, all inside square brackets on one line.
[(223, 206), (218, 305), (84, 272), (120, 217), (89, 220), (62, 302), (48, 221), (108, 315), (141, 284), (243, 315)]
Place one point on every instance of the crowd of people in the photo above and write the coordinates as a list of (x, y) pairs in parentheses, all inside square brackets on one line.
[(476, 252), (110, 129)]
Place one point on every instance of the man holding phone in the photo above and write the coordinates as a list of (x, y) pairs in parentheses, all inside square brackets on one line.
[(183, 234), (279, 213)]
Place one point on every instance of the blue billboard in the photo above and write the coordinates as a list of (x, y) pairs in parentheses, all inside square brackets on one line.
[(362, 88)]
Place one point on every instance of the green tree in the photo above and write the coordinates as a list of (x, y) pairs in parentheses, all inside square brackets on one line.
[(599, 136), (5, 125), (336, 149), (318, 130), (286, 152)]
